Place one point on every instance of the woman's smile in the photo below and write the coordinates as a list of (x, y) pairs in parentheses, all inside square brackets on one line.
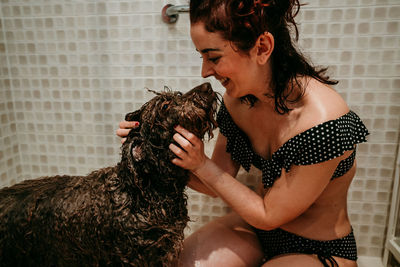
[(240, 73), (224, 81)]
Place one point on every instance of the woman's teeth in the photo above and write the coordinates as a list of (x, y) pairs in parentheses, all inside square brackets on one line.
[(223, 81)]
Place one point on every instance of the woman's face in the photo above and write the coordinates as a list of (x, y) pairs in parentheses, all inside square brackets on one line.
[(236, 71)]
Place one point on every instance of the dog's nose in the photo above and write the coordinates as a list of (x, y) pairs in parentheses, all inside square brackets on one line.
[(206, 88)]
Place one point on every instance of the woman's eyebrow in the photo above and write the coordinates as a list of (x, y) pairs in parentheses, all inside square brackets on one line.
[(208, 50)]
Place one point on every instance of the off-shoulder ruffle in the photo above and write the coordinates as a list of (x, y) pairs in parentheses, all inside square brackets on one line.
[(320, 143), (238, 144)]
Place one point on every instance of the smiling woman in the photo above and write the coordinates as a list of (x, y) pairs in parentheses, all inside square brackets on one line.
[(234, 70), (242, 23), (71, 69), (280, 115)]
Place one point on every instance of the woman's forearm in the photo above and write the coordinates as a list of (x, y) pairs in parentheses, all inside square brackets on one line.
[(247, 203), (197, 185)]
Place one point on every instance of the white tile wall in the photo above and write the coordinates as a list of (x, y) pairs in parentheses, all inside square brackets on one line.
[(70, 70), (366, 261)]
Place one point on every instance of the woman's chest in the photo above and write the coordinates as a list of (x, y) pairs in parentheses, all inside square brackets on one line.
[(265, 132)]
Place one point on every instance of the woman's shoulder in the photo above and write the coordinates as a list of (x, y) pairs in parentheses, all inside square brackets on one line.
[(322, 103), (319, 105)]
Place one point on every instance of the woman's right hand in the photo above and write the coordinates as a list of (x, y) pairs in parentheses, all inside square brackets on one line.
[(125, 127)]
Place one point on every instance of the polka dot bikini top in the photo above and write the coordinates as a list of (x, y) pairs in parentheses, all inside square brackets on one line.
[(320, 143)]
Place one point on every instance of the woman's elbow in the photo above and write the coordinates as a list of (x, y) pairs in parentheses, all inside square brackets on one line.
[(267, 226), (271, 221)]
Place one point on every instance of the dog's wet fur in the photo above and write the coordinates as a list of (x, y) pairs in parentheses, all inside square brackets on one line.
[(131, 214)]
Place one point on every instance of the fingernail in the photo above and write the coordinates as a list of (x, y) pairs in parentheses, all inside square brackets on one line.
[(136, 123)]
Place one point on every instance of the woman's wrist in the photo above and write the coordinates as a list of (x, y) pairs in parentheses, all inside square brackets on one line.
[(198, 171), (208, 171)]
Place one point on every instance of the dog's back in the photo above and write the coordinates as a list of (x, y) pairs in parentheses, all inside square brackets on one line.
[(84, 221), (42, 221)]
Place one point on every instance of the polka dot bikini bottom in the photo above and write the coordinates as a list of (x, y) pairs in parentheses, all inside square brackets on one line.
[(277, 242)]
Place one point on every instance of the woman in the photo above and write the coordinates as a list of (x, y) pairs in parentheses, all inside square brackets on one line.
[(280, 115)]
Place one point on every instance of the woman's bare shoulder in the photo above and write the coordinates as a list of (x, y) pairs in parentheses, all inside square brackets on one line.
[(323, 103)]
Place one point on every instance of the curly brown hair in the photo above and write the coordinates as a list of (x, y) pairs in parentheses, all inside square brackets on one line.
[(130, 214), (242, 21)]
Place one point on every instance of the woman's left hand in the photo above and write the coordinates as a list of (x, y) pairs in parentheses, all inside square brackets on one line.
[(190, 155)]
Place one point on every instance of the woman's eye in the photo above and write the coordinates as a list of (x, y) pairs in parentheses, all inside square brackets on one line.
[(214, 59)]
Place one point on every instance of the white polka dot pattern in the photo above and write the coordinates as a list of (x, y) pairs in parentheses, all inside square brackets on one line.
[(320, 143), (345, 165), (277, 242)]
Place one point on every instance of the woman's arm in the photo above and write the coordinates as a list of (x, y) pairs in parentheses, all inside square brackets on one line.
[(222, 159), (219, 156), (292, 194)]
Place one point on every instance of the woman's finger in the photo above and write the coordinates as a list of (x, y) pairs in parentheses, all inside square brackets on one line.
[(193, 139), (128, 124), (177, 151), (178, 162), (123, 132), (182, 141), (183, 131)]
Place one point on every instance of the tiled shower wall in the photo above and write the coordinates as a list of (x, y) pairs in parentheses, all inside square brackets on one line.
[(70, 70)]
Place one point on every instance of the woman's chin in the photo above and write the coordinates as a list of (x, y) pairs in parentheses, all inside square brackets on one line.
[(229, 90), (233, 93)]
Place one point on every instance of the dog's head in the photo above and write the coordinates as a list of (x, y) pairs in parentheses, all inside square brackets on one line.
[(194, 110)]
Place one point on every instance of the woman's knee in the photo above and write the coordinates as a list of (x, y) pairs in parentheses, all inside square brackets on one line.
[(226, 241), (295, 260)]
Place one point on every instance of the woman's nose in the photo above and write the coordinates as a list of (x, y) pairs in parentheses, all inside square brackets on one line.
[(206, 70)]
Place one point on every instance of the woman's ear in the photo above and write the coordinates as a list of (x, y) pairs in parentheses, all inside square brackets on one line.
[(264, 47)]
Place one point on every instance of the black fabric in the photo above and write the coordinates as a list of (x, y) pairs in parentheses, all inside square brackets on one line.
[(320, 143), (345, 165), (278, 241)]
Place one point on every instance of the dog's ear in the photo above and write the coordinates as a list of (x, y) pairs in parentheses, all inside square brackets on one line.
[(132, 153), (133, 116), (137, 152)]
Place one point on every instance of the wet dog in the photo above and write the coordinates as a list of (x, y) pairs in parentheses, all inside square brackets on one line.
[(131, 214)]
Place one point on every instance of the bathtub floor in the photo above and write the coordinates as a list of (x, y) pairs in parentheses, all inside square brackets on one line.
[(364, 261)]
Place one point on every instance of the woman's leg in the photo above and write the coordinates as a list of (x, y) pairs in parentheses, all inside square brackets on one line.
[(304, 260), (227, 241)]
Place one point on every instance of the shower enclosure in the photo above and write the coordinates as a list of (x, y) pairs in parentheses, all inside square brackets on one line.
[(391, 254), (70, 70)]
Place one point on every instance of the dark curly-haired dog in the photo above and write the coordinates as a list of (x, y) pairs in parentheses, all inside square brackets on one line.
[(132, 214)]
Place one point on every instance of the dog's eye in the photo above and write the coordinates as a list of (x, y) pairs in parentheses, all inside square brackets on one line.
[(165, 105)]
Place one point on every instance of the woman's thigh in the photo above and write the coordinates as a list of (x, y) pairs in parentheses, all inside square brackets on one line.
[(226, 241), (304, 260)]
